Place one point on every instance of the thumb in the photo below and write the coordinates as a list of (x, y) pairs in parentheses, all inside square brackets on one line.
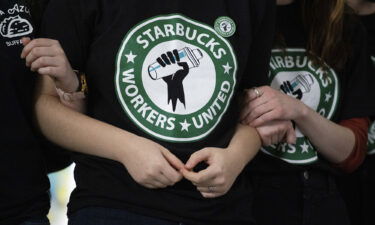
[(172, 159), (197, 157), (25, 40), (251, 94)]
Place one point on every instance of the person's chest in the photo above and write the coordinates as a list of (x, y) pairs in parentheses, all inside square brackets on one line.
[(169, 67)]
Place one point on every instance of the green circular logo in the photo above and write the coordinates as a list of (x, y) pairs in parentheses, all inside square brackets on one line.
[(225, 26), (175, 77), (293, 73)]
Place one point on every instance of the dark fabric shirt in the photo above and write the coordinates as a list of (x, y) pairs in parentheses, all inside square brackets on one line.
[(369, 23), (169, 71), (23, 181)]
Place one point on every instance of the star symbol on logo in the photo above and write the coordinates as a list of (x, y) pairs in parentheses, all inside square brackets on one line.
[(305, 148), (130, 57), (185, 126), (328, 96), (227, 68)]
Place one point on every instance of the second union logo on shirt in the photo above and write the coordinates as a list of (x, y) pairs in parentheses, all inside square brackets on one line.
[(293, 73)]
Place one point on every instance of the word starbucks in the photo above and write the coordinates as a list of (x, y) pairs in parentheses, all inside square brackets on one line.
[(178, 29)]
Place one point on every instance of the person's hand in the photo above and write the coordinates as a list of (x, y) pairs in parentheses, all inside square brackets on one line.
[(218, 177), (151, 165), (277, 131), (47, 57), (265, 104)]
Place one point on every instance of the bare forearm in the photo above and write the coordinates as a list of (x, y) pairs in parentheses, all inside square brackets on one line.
[(333, 141), (76, 131), (244, 145)]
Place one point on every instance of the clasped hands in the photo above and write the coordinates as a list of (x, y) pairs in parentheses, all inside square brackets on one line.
[(156, 167)]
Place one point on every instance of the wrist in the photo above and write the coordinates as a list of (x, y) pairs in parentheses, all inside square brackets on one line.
[(243, 146), (125, 146), (304, 112), (70, 83), (73, 89), (238, 164), (133, 145), (236, 158)]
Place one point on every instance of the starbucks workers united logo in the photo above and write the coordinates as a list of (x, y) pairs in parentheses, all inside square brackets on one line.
[(175, 77), (293, 73)]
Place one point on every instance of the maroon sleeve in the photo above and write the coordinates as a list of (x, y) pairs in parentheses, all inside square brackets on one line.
[(359, 126)]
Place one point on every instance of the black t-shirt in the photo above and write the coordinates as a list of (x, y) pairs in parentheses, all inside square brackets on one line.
[(23, 181), (125, 48), (335, 94), (369, 23)]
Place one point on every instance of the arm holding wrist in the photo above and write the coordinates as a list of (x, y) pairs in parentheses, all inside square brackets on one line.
[(333, 141), (74, 130)]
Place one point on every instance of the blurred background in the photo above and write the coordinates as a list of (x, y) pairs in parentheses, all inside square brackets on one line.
[(62, 184)]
